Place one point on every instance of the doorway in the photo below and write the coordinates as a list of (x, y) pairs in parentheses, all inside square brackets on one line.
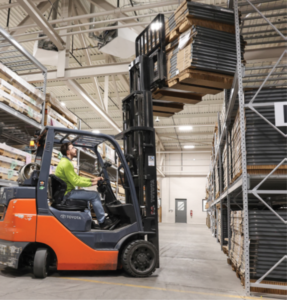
[(180, 210)]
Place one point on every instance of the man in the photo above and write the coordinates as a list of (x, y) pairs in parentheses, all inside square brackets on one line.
[(65, 171)]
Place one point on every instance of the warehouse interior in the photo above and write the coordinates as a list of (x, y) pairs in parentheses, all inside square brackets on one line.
[(218, 129)]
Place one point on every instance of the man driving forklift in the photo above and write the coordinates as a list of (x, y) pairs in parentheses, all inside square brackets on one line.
[(65, 171)]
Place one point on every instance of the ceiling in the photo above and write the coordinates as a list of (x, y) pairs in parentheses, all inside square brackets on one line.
[(202, 116)]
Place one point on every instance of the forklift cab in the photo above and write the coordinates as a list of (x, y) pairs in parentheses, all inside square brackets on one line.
[(79, 220)]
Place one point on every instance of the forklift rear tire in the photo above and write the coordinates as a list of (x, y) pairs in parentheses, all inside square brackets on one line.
[(41, 263), (139, 258)]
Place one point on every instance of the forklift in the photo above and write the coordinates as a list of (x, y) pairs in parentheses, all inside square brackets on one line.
[(41, 230)]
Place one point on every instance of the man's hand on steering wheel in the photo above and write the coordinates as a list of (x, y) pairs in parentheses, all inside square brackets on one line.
[(95, 180)]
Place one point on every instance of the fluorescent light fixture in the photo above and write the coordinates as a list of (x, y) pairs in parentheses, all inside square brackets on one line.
[(156, 26), (188, 147), (77, 88), (185, 128), (63, 103), (96, 131)]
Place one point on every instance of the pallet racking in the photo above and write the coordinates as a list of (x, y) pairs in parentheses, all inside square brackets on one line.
[(252, 189)]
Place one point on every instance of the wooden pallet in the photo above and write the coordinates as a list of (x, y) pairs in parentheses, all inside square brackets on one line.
[(7, 165), (205, 79), (236, 176), (265, 290), (176, 84), (225, 250), (5, 177), (12, 155), (266, 169), (59, 111), (168, 94)]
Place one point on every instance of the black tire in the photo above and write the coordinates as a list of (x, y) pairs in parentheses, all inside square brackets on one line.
[(41, 263), (139, 258)]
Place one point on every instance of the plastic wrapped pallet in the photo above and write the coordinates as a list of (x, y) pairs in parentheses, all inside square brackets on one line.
[(18, 105), (236, 148), (36, 105), (19, 83), (53, 118), (236, 253), (55, 104), (109, 153)]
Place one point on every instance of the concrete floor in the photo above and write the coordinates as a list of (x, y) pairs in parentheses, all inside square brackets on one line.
[(192, 267)]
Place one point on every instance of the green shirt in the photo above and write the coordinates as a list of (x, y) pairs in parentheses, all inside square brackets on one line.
[(65, 171)]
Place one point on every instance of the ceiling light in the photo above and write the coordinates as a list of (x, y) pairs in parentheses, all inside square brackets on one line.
[(185, 128), (63, 103), (194, 159), (157, 119), (96, 131), (188, 147)]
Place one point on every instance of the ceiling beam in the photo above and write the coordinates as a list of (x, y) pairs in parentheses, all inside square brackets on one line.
[(94, 79), (85, 97), (72, 73), (38, 18), (109, 7)]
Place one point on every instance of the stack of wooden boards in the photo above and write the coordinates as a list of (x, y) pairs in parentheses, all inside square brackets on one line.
[(236, 253), (11, 160), (200, 53), (20, 95), (58, 115)]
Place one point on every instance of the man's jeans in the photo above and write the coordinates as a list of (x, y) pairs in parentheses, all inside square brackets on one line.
[(93, 197)]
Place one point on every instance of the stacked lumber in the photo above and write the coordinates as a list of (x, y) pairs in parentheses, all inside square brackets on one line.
[(201, 49), (20, 84), (58, 115), (226, 171), (236, 148), (11, 161), (20, 95), (236, 253), (206, 50), (192, 13)]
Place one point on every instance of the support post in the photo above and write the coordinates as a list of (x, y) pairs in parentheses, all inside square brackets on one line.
[(243, 150)]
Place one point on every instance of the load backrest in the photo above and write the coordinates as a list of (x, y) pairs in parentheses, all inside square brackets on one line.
[(56, 188)]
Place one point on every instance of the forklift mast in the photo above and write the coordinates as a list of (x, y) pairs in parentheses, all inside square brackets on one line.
[(147, 72)]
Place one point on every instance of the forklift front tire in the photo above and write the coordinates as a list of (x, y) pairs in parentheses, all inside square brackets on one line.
[(41, 263), (139, 258)]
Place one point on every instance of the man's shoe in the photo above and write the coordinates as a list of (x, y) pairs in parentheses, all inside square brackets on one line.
[(95, 226), (108, 223)]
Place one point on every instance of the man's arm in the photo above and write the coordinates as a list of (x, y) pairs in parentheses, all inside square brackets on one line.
[(75, 179)]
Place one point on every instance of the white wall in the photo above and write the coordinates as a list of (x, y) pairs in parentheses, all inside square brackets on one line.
[(184, 181)]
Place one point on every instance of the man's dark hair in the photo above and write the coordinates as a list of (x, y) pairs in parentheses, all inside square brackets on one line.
[(65, 147)]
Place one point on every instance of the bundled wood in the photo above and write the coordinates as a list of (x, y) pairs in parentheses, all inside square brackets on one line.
[(36, 105), (55, 104), (53, 118), (236, 148), (236, 253), (20, 106), (192, 13), (18, 82), (176, 96), (204, 49)]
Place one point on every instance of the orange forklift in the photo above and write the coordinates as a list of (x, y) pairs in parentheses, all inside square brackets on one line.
[(39, 229)]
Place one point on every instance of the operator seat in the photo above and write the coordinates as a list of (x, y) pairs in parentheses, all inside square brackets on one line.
[(56, 191)]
